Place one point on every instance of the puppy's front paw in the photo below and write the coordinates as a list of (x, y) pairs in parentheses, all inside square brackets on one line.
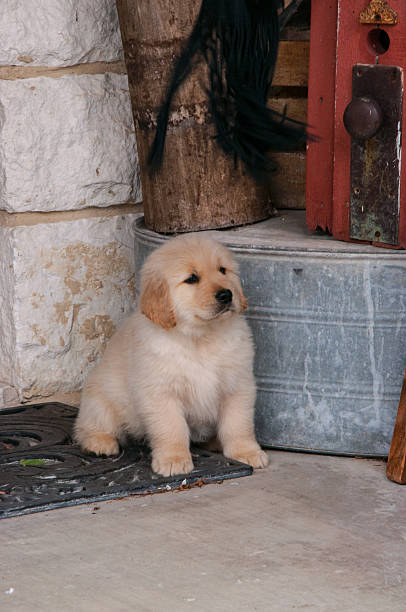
[(256, 458), (169, 465), (101, 444)]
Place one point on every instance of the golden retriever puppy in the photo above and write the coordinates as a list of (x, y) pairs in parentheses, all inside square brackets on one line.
[(180, 368)]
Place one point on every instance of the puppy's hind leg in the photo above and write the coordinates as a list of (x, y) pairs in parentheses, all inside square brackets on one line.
[(97, 426)]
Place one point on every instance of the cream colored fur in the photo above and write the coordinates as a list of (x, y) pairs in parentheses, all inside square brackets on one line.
[(180, 368)]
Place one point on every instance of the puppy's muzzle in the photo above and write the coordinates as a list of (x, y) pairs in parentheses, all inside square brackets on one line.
[(224, 297)]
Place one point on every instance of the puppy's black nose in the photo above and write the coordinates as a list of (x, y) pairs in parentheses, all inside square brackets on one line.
[(224, 296)]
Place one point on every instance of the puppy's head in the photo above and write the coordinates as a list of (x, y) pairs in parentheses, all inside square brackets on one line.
[(190, 281)]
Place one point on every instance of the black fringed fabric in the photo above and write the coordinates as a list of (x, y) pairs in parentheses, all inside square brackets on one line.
[(239, 40)]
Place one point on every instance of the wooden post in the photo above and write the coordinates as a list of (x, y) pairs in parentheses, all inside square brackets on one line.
[(198, 186), (396, 469)]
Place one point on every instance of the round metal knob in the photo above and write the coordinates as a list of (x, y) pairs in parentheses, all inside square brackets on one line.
[(363, 118)]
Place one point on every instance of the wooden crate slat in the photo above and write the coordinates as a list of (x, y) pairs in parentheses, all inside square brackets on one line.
[(296, 108), (292, 67), (288, 184)]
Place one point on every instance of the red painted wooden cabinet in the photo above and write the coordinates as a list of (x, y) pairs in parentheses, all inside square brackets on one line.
[(356, 181)]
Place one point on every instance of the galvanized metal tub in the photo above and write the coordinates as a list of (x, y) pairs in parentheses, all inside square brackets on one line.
[(329, 325)]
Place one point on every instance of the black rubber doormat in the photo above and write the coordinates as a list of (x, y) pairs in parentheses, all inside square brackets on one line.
[(41, 469)]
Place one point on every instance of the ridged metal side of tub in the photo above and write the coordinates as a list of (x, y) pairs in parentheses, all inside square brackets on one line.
[(329, 325)]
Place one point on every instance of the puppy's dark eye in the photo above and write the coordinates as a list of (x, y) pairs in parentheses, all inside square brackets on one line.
[(192, 279), (222, 270)]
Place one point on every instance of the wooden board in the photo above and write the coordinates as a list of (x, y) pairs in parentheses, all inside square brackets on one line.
[(290, 90), (298, 26), (296, 108), (396, 468), (320, 163), (288, 185), (292, 67)]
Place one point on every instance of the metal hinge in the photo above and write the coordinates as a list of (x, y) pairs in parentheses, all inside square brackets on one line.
[(378, 12)]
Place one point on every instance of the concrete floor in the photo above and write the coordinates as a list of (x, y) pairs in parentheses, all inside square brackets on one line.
[(308, 533)]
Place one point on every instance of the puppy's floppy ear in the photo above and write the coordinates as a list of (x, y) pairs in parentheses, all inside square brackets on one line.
[(243, 301), (155, 301)]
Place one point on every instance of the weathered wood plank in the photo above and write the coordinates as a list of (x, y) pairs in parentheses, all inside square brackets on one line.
[(396, 468), (292, 67), (320, 153), (296, 108), (298, 26), (288, 184)]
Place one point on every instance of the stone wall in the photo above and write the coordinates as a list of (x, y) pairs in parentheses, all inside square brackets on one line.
[(69, 184)]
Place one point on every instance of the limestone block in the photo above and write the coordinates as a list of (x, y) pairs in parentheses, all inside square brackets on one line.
[(7, 295), (67, 143), (73, 283), (8, 396), (59, 32)]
